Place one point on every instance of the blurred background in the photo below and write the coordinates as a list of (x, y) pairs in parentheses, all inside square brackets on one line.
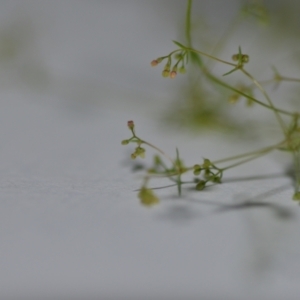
[(97, 53), (72, 73)]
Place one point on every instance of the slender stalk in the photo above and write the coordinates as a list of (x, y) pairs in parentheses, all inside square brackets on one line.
[(188, 23), (296, 157), (278, 117), (252, 153), (289, 79), (221, 42), (179, 173), (160, 151), (210, 56), (247, 160)]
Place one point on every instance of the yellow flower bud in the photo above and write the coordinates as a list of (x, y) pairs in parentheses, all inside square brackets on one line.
[(147, 197), (165, 73)]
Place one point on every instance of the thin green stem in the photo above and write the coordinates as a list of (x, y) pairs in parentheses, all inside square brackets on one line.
[(252, 153), (210, 56), (297, 169), (247, 160), (263, 91), (222, 83), (179, 173), (160, 151), (256, 83), (188, 23), (289, 79), (232, 26)]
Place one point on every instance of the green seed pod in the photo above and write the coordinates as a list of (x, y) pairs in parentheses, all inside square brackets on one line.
[(235, 57), (125, 142), (245, 58), (197, 172), (200, 185)]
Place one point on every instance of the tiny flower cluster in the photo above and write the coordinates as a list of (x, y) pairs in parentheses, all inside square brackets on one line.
[(210, 173), (139, 151), (244, 58), (168, 70), (241, 59)]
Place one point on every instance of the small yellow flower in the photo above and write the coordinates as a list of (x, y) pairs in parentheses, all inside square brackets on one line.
[(165, 73), (147, 197)]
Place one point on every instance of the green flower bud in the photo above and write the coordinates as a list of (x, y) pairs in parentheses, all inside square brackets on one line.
[(178, 56), (139, 151), (245, 58), (235, 57), (197, 170), (182, 70), (200, 185), (296, 196), (125, 142), (206, 163), (157, 160), (216, 179)]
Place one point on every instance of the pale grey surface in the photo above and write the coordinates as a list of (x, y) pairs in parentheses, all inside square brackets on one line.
[(71, 225)]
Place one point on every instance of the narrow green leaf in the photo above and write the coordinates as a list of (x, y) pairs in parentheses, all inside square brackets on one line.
[(233, 70), (179, 45), (179, 175), (240, 56)]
